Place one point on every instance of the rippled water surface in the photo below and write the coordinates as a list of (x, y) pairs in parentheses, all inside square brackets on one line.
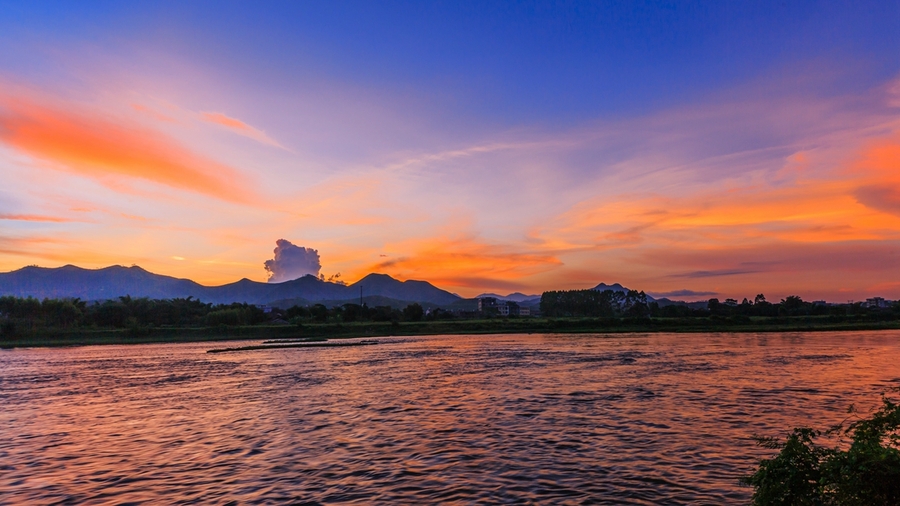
[(624, 419)]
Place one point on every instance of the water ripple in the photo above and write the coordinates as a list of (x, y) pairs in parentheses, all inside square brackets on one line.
[(652, 419)]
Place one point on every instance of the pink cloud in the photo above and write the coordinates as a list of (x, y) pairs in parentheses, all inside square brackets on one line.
[(34, 217), (239, 127)]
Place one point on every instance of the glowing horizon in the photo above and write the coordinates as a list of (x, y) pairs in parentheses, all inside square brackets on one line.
[(672, 150)]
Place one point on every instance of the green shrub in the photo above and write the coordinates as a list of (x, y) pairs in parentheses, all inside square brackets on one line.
[(867, 472), (230, 317)]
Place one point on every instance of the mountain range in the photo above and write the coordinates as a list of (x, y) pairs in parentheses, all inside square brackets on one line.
[(517, 297), (111, 282), (115, 281)]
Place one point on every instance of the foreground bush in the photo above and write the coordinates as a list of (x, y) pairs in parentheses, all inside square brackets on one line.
[(867, 472)]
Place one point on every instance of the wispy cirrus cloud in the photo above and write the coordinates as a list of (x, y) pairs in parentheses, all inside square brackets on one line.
[(29, 247), (153, 113), (35, 217), (682, 293), (239, 127), (712, 274)]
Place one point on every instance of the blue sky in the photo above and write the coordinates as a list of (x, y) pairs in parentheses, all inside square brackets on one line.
[(474, 144), (507, 63)]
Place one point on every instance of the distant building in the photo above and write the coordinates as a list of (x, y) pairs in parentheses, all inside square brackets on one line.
[(486, 303), (524, 311), (501, 307), (877, 302)]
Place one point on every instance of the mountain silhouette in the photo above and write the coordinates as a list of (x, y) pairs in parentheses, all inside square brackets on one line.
[(616, 287), (111, 282), (515, 297)]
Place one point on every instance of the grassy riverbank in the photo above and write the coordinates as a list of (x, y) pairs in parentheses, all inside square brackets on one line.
[(91, 336)]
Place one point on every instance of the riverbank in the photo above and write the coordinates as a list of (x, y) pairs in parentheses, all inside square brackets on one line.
[(139, 335)]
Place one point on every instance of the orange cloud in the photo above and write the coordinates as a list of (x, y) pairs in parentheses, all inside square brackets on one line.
[(879, 170), (863, 204), (33, 217), (98, 148), (239, 127), (812, 270), (812, 232), (28, 247), (153, 114), (216, 117), (464, 262)]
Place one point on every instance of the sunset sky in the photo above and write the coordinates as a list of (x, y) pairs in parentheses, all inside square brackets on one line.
[(691, 150)]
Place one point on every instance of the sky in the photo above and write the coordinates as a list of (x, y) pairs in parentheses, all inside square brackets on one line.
[(688, 149)]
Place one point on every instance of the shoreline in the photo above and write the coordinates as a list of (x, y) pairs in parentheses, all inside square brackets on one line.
[(147, 335)]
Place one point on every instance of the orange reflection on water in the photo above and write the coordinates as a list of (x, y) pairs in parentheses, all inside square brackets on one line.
[(543, 418)]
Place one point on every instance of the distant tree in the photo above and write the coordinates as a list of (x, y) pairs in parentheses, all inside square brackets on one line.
[(792, 305), (636, 304), (439, 314), (385, 314), (296, 311), (583, 303), (7, 327), (413, 312), (110, 313), (62, 313), (319, 312), (352, 313), (225, 317)]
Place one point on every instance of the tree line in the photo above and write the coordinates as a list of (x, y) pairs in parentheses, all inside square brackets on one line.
[(25, 314), (609, 303), (594, 303), (319, 313), (22, 315)]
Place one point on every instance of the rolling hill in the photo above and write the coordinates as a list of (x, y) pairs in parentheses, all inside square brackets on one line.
[(111, 282)]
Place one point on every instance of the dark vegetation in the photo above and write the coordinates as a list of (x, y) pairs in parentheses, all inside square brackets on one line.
[(29, 321), (26, 315), (580, 303), (862, 468), (607, 303)]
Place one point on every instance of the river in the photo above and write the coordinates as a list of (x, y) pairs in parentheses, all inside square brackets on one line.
[(545, 419)]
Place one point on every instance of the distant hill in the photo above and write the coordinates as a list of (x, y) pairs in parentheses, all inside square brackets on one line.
[(532, 301), (106, 283), (616, 287), (411, 290), (701, 304), (115, 281), (376, 289), (515, 297)]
